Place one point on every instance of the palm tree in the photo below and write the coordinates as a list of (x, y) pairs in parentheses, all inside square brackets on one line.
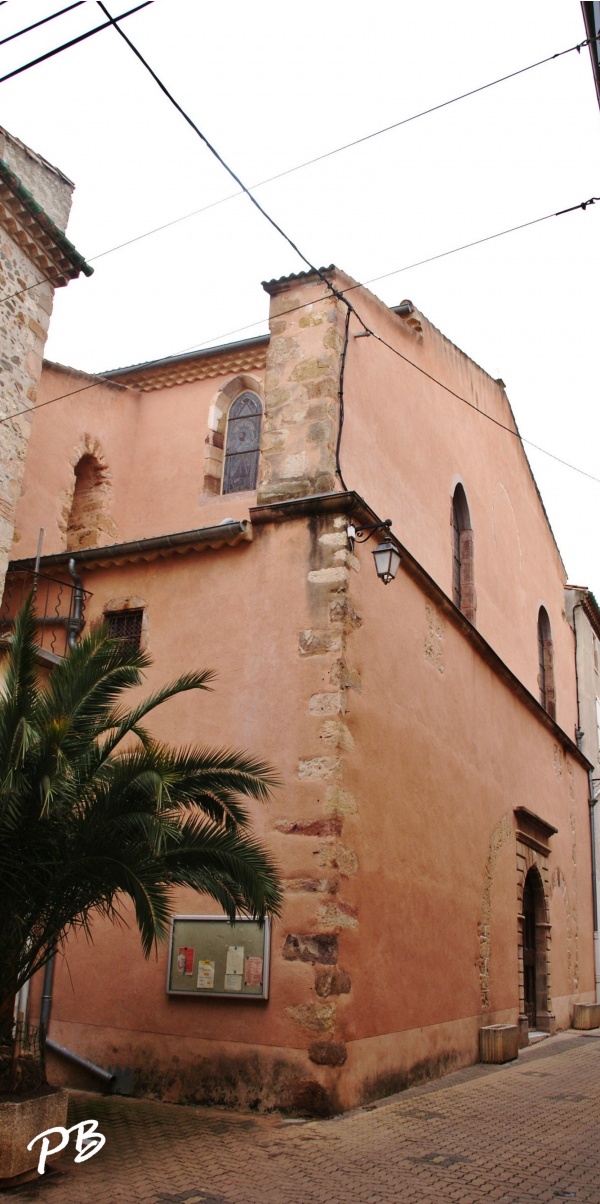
[(94, 809)]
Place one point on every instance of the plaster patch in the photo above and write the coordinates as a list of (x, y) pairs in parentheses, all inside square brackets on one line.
[(433, 648), (501, 836), (558, 883)]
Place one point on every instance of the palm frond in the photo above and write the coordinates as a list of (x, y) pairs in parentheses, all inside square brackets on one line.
[(124, 722), (85, 824)]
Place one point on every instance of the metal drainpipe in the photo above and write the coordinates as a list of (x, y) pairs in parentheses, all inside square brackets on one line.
[(592, 805), (595, 891), (105, 1076), (47, 995), (75, 623)]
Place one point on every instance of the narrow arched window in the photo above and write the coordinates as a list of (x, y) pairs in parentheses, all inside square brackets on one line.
[(243, 444), (546, 663), (463, 580), (89, 523)]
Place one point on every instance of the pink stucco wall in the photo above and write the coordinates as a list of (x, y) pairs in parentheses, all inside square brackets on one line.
[(425, 779), (153, 444), (403, 744)]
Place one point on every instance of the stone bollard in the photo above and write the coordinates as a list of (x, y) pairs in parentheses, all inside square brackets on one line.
[(498, 1043), (586, 1015)]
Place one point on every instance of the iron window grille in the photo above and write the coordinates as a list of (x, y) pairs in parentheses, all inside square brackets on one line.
[(125, 625)]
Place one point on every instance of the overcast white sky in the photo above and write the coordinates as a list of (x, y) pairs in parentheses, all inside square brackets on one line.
[(274, 84)]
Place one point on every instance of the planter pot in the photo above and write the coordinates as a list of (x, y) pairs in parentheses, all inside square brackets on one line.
[(20, 1121)]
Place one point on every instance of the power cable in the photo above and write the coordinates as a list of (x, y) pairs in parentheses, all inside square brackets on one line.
[(216, 154), (338, 150), (224, 334), (361, 284), (308, 162), (100, 379), (317, 271), (478, 241), (73, 42), (43, 21), (515, 433)]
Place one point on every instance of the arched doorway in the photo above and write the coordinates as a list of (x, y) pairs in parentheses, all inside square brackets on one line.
[(535, 984)]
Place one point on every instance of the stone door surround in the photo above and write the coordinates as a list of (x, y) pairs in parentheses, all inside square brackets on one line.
[(533, 851)]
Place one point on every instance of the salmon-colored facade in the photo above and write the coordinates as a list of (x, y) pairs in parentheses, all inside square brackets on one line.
[(432, 828)]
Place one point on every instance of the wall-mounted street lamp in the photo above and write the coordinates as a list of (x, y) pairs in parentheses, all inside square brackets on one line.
[(386, 555)]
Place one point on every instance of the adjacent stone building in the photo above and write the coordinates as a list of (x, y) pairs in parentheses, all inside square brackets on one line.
[(583, 614), (35, 258), (432, 828)]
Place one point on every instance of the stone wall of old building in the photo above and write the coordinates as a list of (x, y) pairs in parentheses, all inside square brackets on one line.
[(25, 309), (302, 384), (24, 318)]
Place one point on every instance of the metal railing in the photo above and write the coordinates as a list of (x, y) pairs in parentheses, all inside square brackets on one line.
[(59, 608)]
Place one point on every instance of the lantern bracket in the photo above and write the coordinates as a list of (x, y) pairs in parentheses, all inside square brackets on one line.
[(362, 534)]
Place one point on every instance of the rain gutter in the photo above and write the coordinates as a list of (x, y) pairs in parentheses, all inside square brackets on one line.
[(227, 533)]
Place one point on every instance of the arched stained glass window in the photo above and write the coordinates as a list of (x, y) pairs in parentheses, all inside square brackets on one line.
[(243, 444)]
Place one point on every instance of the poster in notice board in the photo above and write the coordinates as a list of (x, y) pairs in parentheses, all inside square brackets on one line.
[(211, 958)]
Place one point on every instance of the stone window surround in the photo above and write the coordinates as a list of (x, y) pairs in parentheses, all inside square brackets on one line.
[(214, 454), (130, 602)]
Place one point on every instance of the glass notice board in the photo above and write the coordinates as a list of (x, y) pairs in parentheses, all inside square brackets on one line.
[(209, 957)]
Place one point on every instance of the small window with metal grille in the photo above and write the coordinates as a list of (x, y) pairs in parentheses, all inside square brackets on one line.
[(125, 625)]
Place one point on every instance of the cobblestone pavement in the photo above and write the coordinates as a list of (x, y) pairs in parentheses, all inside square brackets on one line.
[(511, 1134)]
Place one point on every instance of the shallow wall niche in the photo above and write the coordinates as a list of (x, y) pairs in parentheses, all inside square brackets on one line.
[(88, 522), (217, 427)]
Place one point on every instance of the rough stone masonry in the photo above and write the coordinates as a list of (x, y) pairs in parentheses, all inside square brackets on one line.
[(35, 258)]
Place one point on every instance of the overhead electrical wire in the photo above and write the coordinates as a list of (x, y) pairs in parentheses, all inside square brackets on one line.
[(213, 150), (308, 162), (73, 42), (225, 334), (317, 271), (43, 21), (338, 149), (100, 379), (371, 279)]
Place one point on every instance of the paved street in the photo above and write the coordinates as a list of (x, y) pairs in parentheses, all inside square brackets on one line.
[(528, 1131)]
